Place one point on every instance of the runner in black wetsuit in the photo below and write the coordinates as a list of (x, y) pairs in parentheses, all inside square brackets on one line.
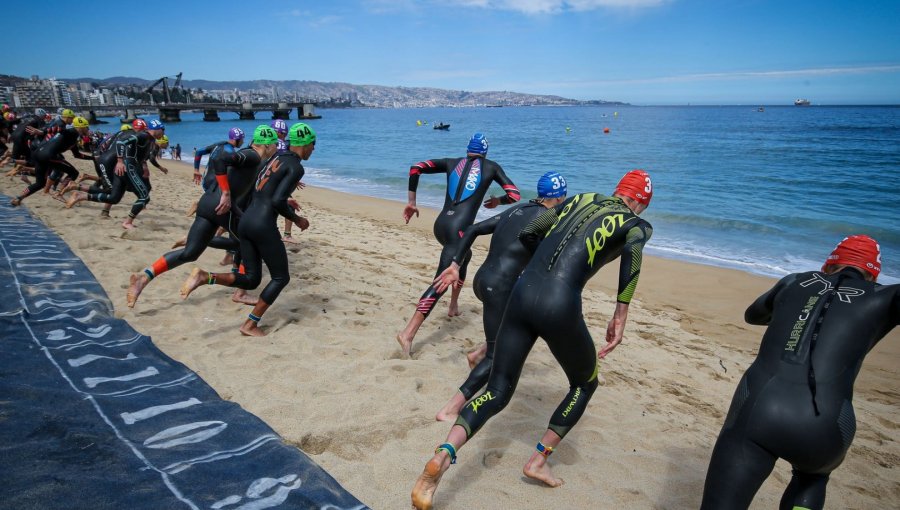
[(22, 138), (795, 400), (580, 236), (205, 179), (108, 183), (235, 173), (7, 121), (495, 278), (132, 151), (468, 180), (258, 229), (48, 157)]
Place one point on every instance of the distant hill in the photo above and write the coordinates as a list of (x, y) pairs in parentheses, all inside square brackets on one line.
[(368, 95)]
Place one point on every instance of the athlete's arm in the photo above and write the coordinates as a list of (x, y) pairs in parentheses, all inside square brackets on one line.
[(532, 235), (432, 166), (632, 256), (512, 192), (450, 275), (759, 313), (283, 193)]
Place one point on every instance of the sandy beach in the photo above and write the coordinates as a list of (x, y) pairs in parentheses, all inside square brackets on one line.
[(330, 379)]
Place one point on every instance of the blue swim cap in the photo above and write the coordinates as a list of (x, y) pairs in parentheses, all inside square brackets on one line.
[(551, 185), (478, 144), (155, 124)]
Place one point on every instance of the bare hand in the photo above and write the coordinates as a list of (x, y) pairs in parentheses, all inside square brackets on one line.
[(293, 204), (302, 222), (408, 212), (447, 278), (164, 170), (197, 177), (120, 169), (615, 330), (224, 204), (300, 185), (491, 202), (33, 131)]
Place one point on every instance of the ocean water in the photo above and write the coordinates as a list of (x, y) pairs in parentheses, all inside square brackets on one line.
[(766, 192)]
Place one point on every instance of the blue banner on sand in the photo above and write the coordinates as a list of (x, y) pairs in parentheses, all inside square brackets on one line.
[(93, 415)]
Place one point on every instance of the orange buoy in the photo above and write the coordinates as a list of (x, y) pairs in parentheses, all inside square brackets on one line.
[(606, 130)]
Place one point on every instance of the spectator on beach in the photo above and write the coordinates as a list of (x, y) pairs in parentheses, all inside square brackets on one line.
[(178, 151)]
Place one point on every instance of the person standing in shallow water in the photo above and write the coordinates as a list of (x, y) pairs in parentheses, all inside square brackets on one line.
[(468, 180), (795, 402), (571, 242)]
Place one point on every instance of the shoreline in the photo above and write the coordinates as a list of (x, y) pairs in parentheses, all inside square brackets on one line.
[(328, 378)]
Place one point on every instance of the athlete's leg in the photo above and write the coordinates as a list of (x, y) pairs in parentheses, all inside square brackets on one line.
[(275, 257), (40, 173), (140, 188), (494, 304), (199, 235), (514, 341), (737, 469), (572, 346), (806, 491)]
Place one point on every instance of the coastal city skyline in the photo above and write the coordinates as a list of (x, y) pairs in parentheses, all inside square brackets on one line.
[(638, 51)]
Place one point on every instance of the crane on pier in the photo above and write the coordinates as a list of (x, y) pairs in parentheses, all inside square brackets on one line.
[(165, 83)]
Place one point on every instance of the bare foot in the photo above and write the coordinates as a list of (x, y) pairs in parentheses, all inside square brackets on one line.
[(104, 213), (128, 225), (227, 260), (452, 408), (453, 310), (76, 197), (137, 283), (288, 239), (15, 202), (405, 344), (197, 278), (475, 356), (538, 469), (423, 492), (70, 186), (251, 329), (179, 243), (241, 296)]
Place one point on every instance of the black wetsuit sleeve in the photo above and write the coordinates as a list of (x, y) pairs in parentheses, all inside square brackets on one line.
[(532, 235), (512, 192), (759, 313), (283, 193), (79, 155), (632, 257), (432, 166), (472, 232), (200, 153), (126, 147)]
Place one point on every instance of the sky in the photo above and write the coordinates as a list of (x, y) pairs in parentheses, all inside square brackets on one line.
[(636, 51)]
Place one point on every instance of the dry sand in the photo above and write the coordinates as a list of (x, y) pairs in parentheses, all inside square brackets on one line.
[(329, 379)]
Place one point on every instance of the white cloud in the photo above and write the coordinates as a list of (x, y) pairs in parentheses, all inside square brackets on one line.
[(555, 6)]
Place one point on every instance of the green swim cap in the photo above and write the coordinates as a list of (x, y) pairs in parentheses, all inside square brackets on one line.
[(300, 135), (264, 135)]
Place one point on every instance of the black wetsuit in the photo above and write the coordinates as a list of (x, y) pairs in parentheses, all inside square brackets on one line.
[(795, 400), (48, 159), (258, 229), (22, 140), (105, 162), (583, 234), (134, 148), (241, 169), (495, 278), (212, 150), (468, 180)]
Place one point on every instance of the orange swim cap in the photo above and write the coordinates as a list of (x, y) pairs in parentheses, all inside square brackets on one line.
[(859, 251), (636, 185)]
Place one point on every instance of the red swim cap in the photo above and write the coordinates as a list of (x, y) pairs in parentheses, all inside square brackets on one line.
[(859, 251), (636, 185)]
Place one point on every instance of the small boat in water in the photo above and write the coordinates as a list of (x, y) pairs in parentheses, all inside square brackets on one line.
[(761, 109), (443, 126), (801, 102)]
